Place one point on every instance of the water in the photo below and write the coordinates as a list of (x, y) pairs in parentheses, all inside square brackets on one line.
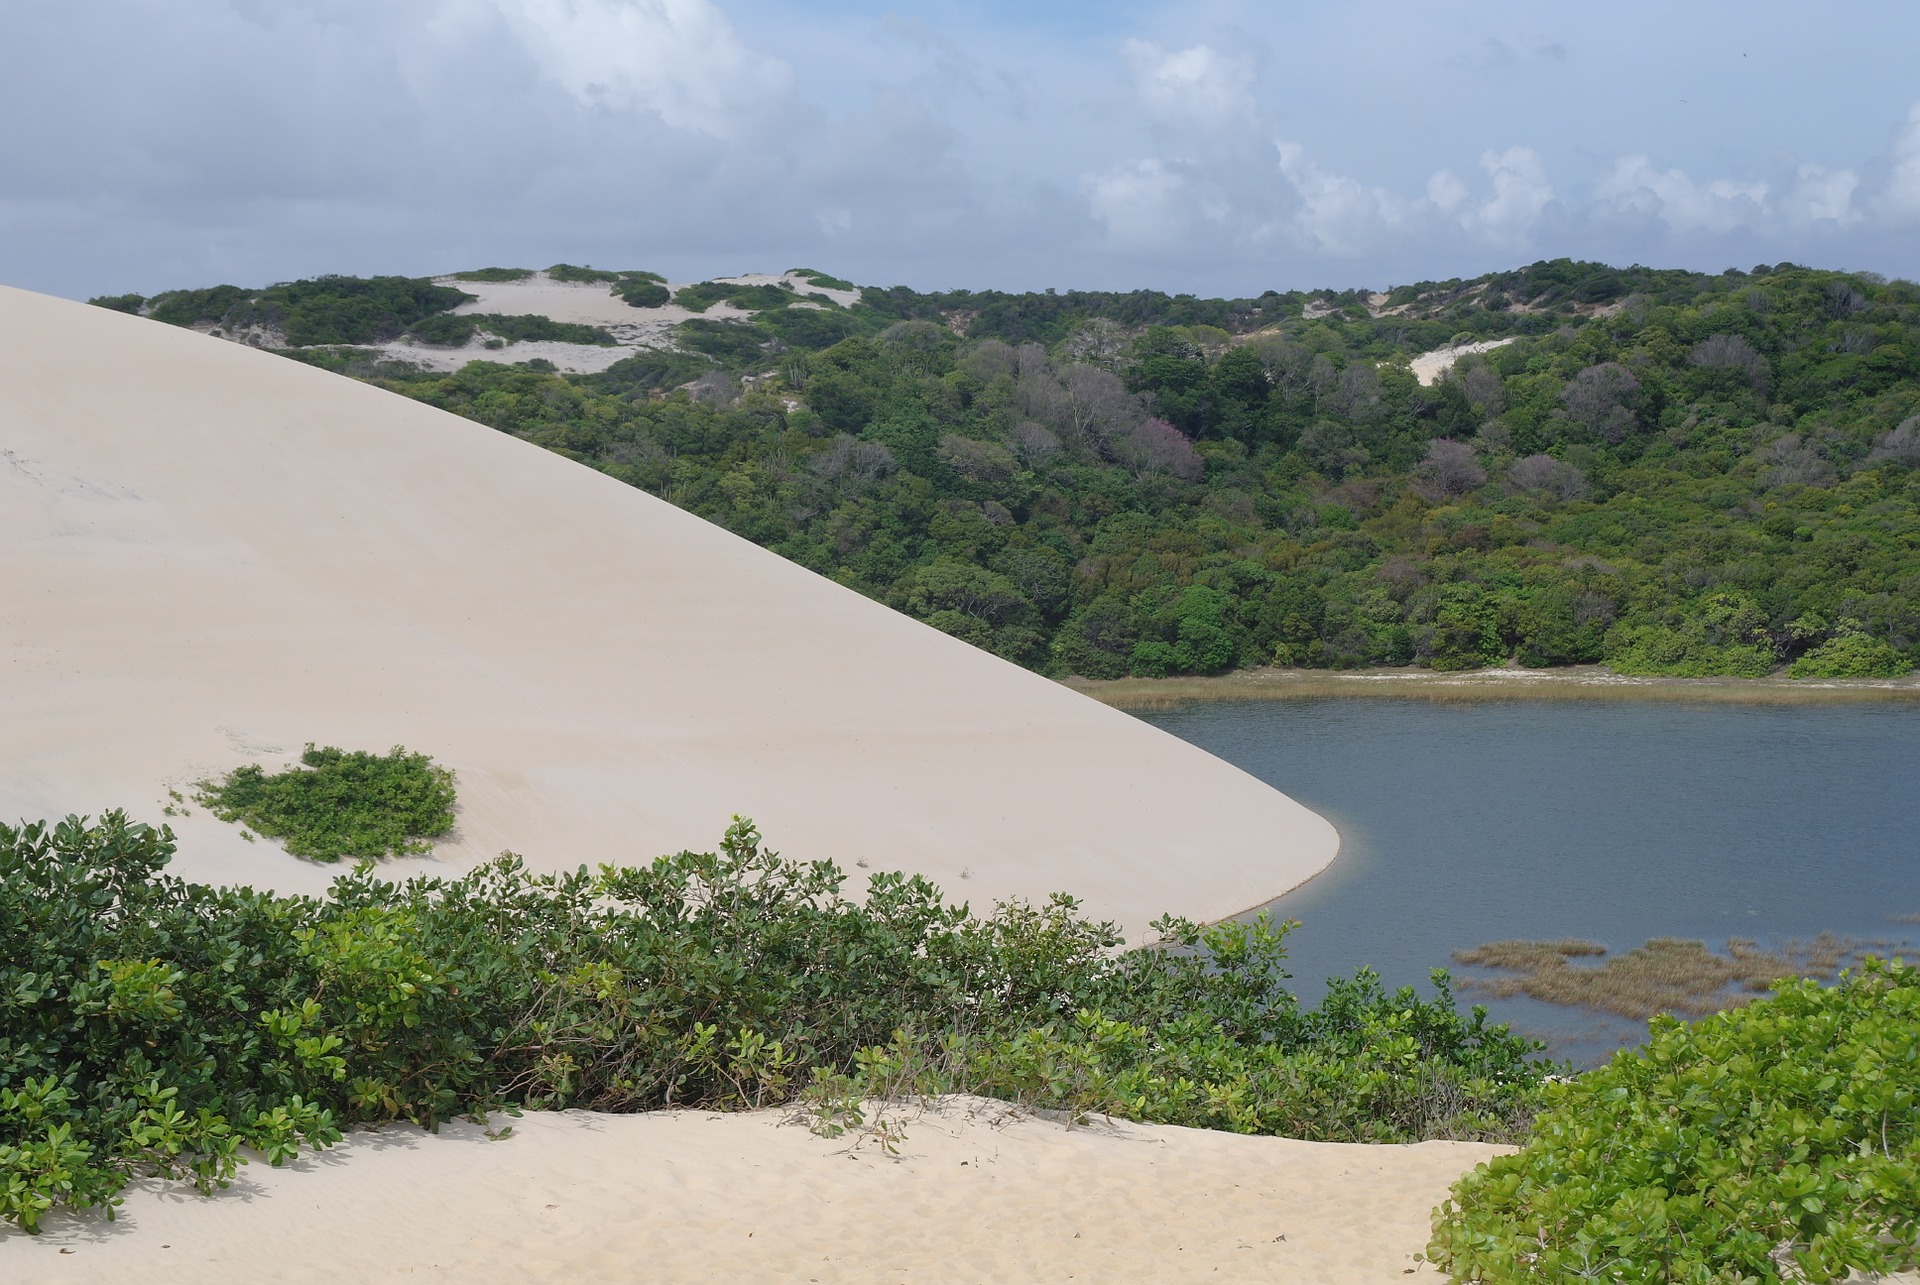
[(1617, 822)]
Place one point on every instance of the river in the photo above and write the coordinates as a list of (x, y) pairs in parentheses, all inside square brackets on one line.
[(1615, 821)]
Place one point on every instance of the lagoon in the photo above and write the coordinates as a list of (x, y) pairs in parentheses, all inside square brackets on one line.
[(1617, 821)]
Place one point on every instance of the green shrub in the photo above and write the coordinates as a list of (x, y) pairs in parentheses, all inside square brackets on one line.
[(1851, 655), (494, 274), (819, 278), (195, 307), (1785, 1130), (120, 302), (340, 804), (731, 343), (642, 292), (455, 329), (153, 1026), (572, 272)]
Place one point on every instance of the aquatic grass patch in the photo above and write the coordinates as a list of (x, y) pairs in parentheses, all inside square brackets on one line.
[(340, 803), (153, 1026), (1778, 1141), (1665, 975)]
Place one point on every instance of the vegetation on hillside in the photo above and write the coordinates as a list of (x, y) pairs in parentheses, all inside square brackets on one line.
[(340, 803), (1670, 472), (153, 1026)]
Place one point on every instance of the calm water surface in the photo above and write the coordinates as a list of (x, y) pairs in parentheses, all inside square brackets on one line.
[(1463, 824)]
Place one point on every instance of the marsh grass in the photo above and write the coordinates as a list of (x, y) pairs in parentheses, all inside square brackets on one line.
[(1666, 975), (1581, 683)]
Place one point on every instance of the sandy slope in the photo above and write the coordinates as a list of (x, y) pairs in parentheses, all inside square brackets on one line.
[(1429, 366), (575, 1197), (214, 555), (588, 303)]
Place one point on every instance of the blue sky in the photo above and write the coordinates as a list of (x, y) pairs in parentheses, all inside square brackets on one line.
[(1216, 147)]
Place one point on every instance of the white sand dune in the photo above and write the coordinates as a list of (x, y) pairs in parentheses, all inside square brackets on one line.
[(1429, 366), (214, 555), (573, 1197)]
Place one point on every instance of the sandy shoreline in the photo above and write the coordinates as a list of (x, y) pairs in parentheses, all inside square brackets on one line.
[(1575, 683), (977, 1194)]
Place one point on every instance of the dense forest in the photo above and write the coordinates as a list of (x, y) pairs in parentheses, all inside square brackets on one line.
[(1664, 471)]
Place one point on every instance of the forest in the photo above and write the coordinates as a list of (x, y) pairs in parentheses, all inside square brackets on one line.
[(1663, 471)]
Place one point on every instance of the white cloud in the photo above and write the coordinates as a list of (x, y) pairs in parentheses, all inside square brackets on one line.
[(1899, 201), (1199, 86), (1636, 186), (1821, 195), (1338, 215), (1139, 201), (1520, 195), (680, 59)]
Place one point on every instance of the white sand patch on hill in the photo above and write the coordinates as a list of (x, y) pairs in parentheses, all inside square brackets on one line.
[(1429, 366), (215, 555), (587, 303), (685, 1197)]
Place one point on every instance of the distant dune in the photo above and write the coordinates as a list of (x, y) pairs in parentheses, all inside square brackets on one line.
[(215, 555)]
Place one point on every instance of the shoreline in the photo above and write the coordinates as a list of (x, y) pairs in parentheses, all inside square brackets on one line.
[(1574, 683)]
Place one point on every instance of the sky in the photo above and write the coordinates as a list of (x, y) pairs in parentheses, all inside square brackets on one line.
[(1212, 146)]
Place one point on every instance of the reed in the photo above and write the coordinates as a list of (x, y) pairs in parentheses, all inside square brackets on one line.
[(1666, 975), (1580, 683)]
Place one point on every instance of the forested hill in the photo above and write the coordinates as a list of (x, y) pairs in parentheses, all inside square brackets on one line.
[(1669, 472)]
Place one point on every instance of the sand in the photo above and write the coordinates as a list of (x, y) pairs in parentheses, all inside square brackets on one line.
[(694, 1197), (215, 555), (589, 303), (1429, 366)]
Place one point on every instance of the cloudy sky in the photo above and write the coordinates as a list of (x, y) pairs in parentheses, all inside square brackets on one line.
[(1216, 147)]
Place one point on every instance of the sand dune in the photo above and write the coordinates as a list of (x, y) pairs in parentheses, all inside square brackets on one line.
[(688, 1196), (1429, 366), (214, 555)]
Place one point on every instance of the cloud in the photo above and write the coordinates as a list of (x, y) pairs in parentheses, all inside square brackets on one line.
[(679, 59), (1338, 215), (1899, 200), (1821, 195), (1636, 186), (1508, 215), (1140, 202), (1199, 86)]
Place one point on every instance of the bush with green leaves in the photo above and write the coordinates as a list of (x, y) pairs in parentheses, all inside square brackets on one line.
[(576, 273), (1776, 1141), (642, 291), (148, 1025), (340, 803), (496, 275), (1851, 655), (452, 330)]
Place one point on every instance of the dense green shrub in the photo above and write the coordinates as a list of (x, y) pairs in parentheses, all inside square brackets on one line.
[(150, 1025), (494, 274), (821, 279), (132, 303), (573, 272), (195, 307), (1851, 655), (1785, 1132), (340, 803), (729, 342), (455, 329), (642, 292)]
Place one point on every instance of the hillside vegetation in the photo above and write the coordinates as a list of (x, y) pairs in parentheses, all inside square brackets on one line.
[(1670, 472)]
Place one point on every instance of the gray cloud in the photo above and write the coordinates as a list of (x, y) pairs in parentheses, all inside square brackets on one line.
[(1228, 149)]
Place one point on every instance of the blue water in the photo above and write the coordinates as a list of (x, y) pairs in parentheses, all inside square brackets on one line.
[(1464, 824)]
